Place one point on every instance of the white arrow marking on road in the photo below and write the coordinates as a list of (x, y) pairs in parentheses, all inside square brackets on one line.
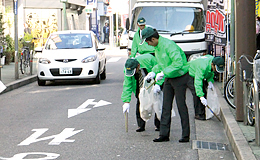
[(74, 112), (83, 108), (102, 103)]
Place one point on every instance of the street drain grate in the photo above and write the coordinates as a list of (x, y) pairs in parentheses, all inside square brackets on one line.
[(209, 145)]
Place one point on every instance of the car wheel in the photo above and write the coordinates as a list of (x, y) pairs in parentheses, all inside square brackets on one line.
[(103, 74), (97, 79), (41, 82)]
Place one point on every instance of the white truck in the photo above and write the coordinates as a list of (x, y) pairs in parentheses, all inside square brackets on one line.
[(182, 21)]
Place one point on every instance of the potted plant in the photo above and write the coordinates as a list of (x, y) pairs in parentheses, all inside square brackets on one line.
[(9, 50)]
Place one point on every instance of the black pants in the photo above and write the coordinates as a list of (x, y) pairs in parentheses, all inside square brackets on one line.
[(140, 121), (175, 87), (199, 107), (258, 41)]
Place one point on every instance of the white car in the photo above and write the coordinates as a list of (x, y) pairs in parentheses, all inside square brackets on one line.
[(72, 55), (124, 39)]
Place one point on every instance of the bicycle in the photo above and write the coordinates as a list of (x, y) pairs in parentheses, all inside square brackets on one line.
[(250, 75), (25, 62), (229, 91)]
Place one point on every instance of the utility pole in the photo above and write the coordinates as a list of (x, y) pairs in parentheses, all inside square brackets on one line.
[(245, 34), (16, 38)]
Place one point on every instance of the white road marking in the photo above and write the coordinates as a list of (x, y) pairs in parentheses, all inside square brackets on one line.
[(83, 107), (21, 156), (114, 59), (61, 89), (57, 139)]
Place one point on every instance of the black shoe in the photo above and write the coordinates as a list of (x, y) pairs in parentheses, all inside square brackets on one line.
[(198, 117), (157, 129), (183, 140), (140, 130), (161, 139)]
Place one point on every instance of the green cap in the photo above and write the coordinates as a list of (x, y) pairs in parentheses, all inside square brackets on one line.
[(146, 33), (219, 62), (130, 66), (141, 21)]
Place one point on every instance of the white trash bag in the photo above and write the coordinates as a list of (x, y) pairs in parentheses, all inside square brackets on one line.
[(157, 104), (213, 103), (146, 101)]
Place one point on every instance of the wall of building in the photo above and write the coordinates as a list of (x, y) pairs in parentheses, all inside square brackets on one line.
[(42, 17)]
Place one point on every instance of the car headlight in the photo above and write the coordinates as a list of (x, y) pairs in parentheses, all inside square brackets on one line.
[(195, 56), (89, 59), (44, 61)]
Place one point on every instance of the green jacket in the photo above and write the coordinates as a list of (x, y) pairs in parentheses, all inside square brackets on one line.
[(136, 47), (170, 58), (200, 69), (146, 61)]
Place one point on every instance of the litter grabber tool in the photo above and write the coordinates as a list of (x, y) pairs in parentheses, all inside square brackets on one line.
[(213, 113), (126, 121), (150, 85)]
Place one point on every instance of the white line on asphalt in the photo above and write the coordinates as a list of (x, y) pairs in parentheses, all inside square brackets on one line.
[(61, 89), (114, 59)]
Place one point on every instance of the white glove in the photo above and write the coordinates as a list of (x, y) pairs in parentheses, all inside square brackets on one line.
[(126, 107), (159, 76), (156, 88), (211, 86), (149, 76), (203, 101)]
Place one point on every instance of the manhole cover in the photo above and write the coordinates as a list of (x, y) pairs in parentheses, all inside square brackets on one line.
[(209, 145)]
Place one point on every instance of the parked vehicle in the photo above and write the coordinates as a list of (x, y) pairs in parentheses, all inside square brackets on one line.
[(72, 55), (123, 39), (182, 21)]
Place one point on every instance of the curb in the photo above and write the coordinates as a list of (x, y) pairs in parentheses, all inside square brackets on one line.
[(19, 83), (235, 136)]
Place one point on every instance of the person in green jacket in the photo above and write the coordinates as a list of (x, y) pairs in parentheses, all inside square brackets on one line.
[(136, 47), (201, 71), (136, 68), (171, 65)]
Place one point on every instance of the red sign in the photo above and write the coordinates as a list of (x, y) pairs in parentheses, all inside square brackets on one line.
[(109, 9), (216, 23)]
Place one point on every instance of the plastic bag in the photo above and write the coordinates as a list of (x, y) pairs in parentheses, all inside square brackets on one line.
[(213, 103), (157, 103), (146, 101)]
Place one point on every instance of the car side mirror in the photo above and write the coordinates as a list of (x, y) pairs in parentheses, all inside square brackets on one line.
[(38, 49), (101, 47), (127, 24)]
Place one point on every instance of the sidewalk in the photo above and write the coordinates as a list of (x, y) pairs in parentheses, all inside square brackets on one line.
[(238, 134), (8, 76)]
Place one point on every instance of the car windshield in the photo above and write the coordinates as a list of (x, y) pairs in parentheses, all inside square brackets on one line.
[(171, 20), (69, 41)]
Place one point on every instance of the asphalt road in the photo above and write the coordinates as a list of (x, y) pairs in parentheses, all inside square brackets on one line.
[(79, 121)]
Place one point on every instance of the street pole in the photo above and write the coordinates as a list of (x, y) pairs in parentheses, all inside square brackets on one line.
[(65, 23), (116, 28), (16, 38), (245, 35), (111, 37)]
